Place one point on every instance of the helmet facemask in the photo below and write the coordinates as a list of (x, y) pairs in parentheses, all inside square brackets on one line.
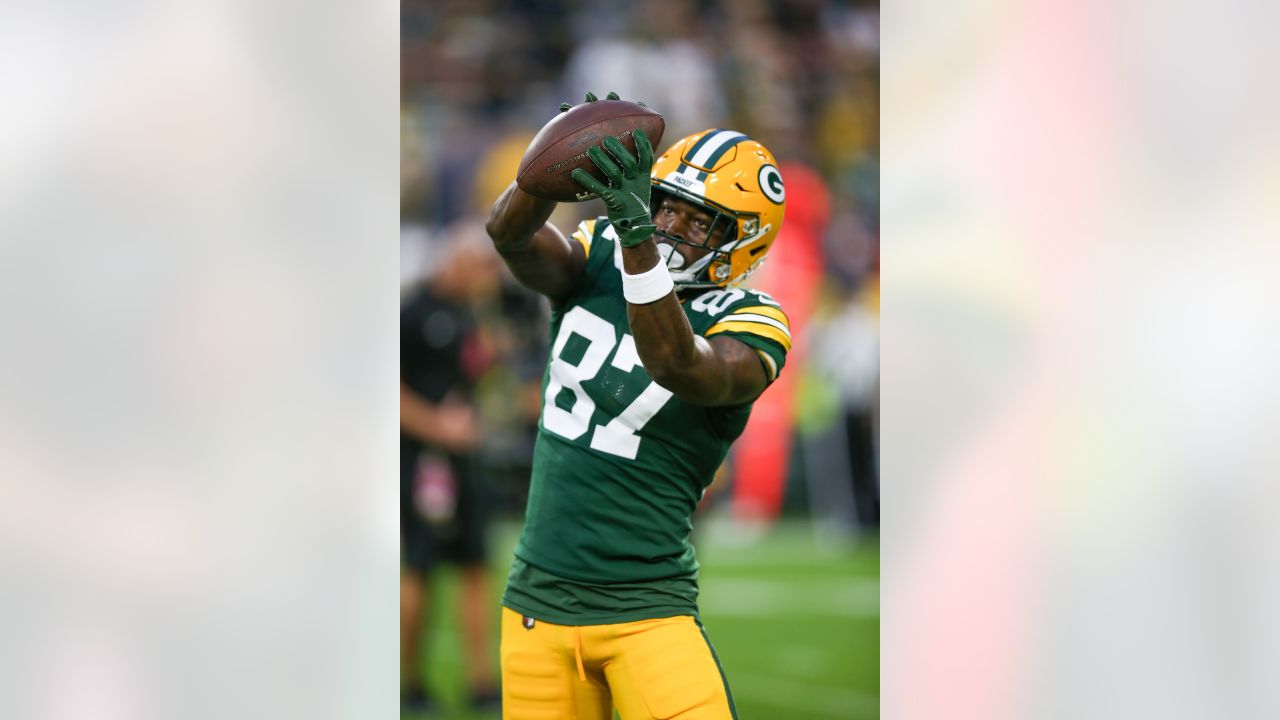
[(712, 269)]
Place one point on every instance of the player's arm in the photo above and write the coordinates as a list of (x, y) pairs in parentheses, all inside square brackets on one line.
[(538, 254), (703, 371)]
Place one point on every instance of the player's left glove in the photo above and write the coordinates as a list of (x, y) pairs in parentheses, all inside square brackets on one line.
[(627, 196)]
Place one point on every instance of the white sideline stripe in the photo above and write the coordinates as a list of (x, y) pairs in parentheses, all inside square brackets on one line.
[(733, 551), (857, 598), (795, 695)]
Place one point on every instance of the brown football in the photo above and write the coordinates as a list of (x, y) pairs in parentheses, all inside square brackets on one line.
[(561, 145)]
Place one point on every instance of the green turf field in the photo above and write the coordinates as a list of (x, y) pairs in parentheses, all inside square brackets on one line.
[(795, 621)]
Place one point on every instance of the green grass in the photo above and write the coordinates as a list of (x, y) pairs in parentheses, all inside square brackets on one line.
[(796, 623), (794, 619)]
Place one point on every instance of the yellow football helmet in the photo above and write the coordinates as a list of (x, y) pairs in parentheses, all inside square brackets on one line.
[(735, 179)]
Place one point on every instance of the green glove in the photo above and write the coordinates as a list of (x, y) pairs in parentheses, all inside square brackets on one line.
[(591, 97), (628, 192)]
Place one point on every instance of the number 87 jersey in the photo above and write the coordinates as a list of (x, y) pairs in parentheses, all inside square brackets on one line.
[(620, 462)]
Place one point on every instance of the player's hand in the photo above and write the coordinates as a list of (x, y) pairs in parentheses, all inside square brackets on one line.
[(591, 97), (627, 196)]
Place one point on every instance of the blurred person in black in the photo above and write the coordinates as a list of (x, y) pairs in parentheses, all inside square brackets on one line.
[(443, 510)]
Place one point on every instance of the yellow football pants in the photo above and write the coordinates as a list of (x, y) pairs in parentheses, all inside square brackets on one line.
[(648, 669)]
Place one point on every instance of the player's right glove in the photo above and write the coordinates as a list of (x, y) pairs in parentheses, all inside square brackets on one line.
[(627, 196)]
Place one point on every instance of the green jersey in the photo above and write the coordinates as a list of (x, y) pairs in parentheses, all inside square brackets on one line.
[(620, 463)]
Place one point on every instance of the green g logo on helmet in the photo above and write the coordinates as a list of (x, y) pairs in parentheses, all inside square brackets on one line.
[(771, 184)]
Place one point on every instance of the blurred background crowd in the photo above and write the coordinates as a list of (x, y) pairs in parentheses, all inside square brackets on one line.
[(479, 77)]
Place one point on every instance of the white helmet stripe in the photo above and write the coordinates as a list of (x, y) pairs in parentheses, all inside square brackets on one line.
[(710, 147)]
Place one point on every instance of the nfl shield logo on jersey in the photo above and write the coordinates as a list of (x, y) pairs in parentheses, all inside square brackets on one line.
[(527, 622)]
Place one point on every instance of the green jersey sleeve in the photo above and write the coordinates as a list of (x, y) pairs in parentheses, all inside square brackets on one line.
[(753, 318)]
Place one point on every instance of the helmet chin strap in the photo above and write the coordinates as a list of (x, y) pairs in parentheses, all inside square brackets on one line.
[(673, 259), (681, 273)]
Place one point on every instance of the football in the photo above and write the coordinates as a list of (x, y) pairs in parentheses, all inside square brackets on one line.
[(561, 146)]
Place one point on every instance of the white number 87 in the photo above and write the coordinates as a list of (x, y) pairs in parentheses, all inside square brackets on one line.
[(619, 436)]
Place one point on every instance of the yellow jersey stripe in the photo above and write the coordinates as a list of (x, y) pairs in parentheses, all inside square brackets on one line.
[(586, 229), (754, 328), (745, 317), (765, 310)]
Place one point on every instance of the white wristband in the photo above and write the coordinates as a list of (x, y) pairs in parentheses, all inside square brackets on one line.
[(650, 285)]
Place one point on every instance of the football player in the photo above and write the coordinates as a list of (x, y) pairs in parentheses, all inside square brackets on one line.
[(656, 358)]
